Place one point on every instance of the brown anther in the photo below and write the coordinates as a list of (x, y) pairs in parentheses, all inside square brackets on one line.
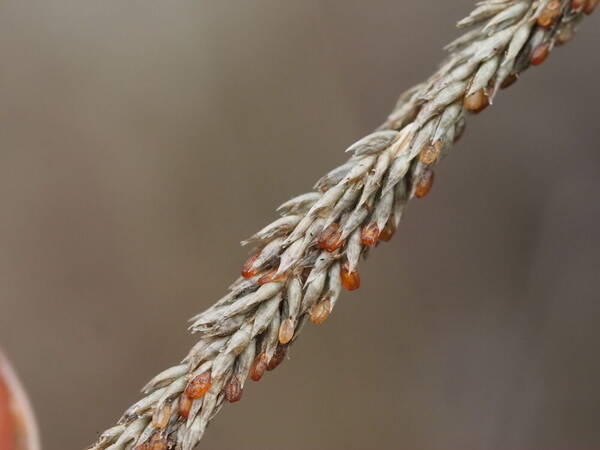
[(590, 5), (509, 81), (477, 101), (161, 417), (248, 271), (369, 234), (259, 366), (278, 357), (540, 53), (330, 238), (577, 4), (320, 312), (549, 14), (233, 390), (424, 184), (271, 276), (350, 280), (430, 153), (286, 331), (184, 405), (388, 231), (199, 385)]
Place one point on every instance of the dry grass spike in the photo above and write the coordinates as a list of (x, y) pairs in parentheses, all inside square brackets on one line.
[(304, 259)]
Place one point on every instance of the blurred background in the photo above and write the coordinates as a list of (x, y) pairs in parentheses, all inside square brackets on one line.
[(142, 140)]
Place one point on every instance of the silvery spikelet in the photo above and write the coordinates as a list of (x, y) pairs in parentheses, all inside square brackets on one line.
[(305, 258)]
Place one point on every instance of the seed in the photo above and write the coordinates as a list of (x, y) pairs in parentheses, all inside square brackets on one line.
[(184, 406), (424, 184), (369, 234), (286, 331), (161, 417), (388, 231), (540, 53), (157, 443), (258, 367), (477, 101), (565, 34), (278, 357), (320, 312), (271, 276), (331, 238), (199, 385), (233, 390), (430, 153), (350, 280), (248, 271), (549, 14), (509, 81), (590, 5)]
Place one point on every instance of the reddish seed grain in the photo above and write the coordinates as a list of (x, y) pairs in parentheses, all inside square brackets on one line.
[(158, 443), (320, 312), (258, 367), (477, 101), (549, 14), (430, 153), (590, 6), (424, 184), (248, 271), (330, 238), (286, 331), (199, 385), (388, 231), (350, 280), (540, 53), (509, 81), (278, 357), (271, 276), (184, 406), (369, 234), (233, 390)]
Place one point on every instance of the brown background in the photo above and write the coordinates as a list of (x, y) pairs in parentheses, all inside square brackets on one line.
[(141, 140)]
